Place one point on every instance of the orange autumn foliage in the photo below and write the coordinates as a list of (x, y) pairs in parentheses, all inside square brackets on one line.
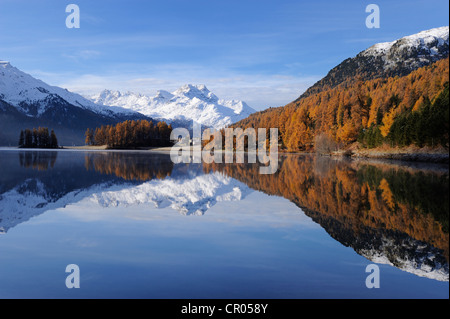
[(343, 111), (357, 196)]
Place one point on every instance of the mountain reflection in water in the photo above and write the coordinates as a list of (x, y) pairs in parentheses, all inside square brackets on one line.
[(388, 213)]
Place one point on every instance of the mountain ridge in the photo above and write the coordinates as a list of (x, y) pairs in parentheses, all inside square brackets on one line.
[(370, 101), (188, 103), (27, 102), (386, 59), (21, 90)]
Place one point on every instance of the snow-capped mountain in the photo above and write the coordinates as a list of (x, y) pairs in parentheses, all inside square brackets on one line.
[(34, 97), (389, 247), (192, 195), (409, 255), (388, 59), (26, 102), (188, 103), (412, 51)]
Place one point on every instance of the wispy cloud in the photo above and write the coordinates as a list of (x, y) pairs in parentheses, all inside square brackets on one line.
[(82, 55), (258, 90)]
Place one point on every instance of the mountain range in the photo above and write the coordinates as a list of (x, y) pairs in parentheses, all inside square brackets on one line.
[(393, 94), (27, 102), (184, 105)]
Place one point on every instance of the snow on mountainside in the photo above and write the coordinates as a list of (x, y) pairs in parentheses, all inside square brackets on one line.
[(34, 97), (423, 267), (189, 102), (417, 48), (388, 59), (189, 196)]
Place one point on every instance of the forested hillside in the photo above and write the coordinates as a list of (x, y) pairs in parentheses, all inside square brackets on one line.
[(398, 111)]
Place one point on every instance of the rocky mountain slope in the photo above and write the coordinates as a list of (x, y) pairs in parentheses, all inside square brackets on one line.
[(388, 59)]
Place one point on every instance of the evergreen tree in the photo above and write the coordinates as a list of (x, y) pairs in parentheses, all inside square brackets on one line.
[(21, 139), (38, 138), (28, 138), (35, 142), (53, 140)]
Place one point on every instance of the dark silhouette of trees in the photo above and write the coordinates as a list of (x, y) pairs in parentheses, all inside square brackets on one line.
[(38, 160), (22, 139), (53, 140), (38, 138)]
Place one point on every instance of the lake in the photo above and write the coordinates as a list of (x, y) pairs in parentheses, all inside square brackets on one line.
[(139, 226)]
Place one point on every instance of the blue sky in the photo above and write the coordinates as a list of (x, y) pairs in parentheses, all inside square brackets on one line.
[(264, 52)]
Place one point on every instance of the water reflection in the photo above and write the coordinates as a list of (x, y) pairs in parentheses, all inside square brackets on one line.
[(38, 160), (56, 180), (109, 179), (136, 167), (385, 212)]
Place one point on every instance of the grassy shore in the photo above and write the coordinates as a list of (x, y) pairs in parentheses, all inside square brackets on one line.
[(410, 153)]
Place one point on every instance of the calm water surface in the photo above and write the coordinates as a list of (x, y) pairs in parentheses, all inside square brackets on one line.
[(139, 226)]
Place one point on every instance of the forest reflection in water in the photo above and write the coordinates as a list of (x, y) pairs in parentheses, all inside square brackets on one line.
[(37, 159), (387, 212)]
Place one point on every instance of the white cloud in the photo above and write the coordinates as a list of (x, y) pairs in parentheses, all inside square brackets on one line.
[(82, 55)]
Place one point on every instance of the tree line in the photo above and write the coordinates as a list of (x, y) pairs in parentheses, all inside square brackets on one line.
[(398, 111), (381, 197), (38, 138), (130, 134), (427, 125)]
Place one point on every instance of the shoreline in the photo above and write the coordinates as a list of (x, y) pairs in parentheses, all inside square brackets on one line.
[(407, 155)]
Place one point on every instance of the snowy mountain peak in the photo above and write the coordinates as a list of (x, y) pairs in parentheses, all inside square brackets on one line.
[(163, 95), (426, 43), (388, 59), (4, 64), (200, 92), (107, 93), (34, 97), (187, 103)]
